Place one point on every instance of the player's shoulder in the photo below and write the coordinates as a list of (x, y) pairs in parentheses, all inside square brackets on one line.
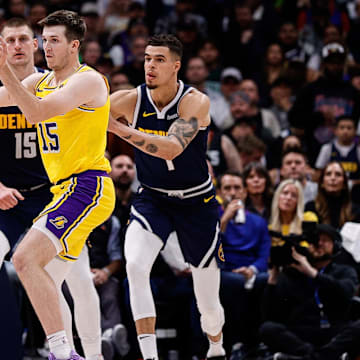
[(196, 95), (124, 95)]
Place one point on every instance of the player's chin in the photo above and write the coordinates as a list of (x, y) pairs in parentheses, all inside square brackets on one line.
[(151, 86)]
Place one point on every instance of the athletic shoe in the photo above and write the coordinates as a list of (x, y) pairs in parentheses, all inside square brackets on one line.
[(119, 339), (73, 356), (216, 358), (107, 348)]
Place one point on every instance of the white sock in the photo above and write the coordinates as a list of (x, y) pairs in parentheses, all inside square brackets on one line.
[(216, 348), (95, 357), (59, 345), (148, 347)]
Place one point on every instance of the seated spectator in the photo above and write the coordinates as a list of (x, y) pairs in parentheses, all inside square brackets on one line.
[(273, 68), (119, 81), (287, 214), (134, 69), (210, 53), (294, 166), (319, 103), (343, 148), (282, 100), (106, 260), (115, 18), (306, 303), (196, 74), (262, 117), (230, 80), (259, 190), (288, 37), (91, 52), (246, 247), (333, 203), (251, 149)]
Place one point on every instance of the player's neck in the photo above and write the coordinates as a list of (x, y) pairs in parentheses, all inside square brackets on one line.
[(163, 95), (23, 71), (61, 74)]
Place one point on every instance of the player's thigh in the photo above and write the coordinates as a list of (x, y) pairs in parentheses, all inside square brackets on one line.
[(79, 205), (197, 229)]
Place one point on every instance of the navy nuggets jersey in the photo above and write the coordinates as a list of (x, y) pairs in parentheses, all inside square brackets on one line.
[(189, 170), (21, 164), (350, 162)]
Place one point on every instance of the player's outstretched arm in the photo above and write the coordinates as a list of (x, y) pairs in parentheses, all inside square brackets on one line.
[(193, 111), (86, 88)]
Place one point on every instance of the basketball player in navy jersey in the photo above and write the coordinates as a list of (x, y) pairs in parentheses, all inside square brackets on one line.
[(24, 192), (168, 125)]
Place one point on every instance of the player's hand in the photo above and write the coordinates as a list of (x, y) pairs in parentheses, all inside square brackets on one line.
[(247, 272), (3, 52), (100, 276), (231, 209), (9, 197)]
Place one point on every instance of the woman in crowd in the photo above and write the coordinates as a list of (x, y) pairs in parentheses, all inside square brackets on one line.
[(287, 209), (259, 189), (287, 215), (333, 203)]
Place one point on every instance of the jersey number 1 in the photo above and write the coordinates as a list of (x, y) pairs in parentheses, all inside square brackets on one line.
[(49, 138)]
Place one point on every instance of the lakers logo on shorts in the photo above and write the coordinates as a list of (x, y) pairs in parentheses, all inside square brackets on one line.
[(59, 222), (221, 253)]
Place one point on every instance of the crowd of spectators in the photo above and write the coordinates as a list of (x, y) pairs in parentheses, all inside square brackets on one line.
[(283, 78)]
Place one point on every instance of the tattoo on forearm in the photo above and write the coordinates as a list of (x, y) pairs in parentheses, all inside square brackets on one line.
[(127, 137), (184, 130), (180, 140), (152, 148), (139, 143)]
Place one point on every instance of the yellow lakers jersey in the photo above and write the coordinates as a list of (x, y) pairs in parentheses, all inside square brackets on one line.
[(73, 142)]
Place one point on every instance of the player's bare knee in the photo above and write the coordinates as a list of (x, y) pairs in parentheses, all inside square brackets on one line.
[(21, 262)]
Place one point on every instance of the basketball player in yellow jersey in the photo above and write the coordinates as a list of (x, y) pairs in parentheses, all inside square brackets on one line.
[(70, 106)]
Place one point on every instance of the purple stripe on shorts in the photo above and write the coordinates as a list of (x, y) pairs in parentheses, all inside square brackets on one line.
[(59, 220)]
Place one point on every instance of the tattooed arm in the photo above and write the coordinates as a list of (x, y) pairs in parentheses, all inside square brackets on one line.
[(193, 111)]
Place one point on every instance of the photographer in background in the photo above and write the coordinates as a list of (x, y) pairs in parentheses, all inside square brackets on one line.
[(307, 302)]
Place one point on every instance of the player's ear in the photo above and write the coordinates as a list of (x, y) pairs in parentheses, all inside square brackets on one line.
[(36, 44), (177, 65), (75, 44)]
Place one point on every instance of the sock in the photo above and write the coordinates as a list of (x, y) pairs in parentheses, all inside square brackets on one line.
[(148, 347), (95, 357), (59, 345), (216, 348)]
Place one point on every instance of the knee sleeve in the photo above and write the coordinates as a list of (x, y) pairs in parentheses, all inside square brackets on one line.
[(206, 289), (141, 249), (4, 247)]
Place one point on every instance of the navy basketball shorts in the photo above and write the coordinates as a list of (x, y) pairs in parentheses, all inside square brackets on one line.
[(15, 221), (195, 221)]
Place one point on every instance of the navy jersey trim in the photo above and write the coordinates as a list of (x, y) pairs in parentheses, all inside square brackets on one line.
[(161, 114), (137, 107)]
